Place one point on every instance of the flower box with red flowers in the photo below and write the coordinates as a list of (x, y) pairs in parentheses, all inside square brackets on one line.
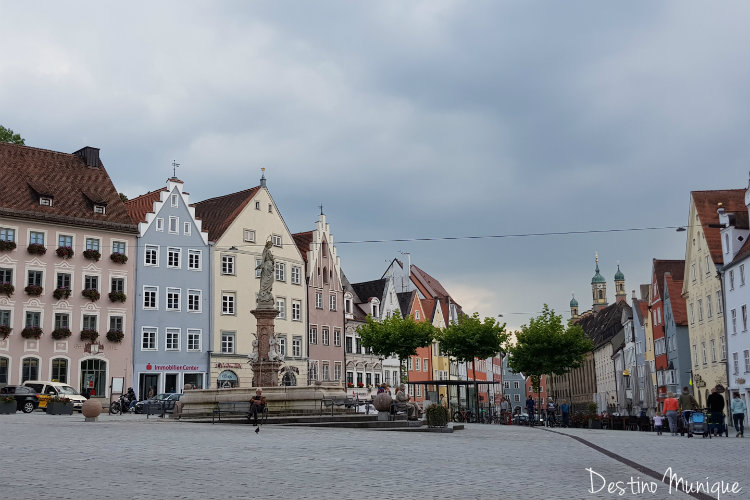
[(118, 258), (6, 245), (349, 384), (89, 335), (91, 293), (7, 289), (92, 255), (64, 252), (5, 331), (115, 336), (36, 249), (61, 293), (60, 333), (360, 384), (117, 297), (34, 290), (31, 332)]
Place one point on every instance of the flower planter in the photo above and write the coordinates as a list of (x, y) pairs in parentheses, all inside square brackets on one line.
[(115, 336), (7, 289), (36, 249), (61, 293), (64, 252), (118, 258), (117, 297), (59, 408), (5, 331), (60, 333), (31, 332), (89, 335), (6, 246), (8, 407), (33, 290), (92, 255), (437, 416), (91, 294)]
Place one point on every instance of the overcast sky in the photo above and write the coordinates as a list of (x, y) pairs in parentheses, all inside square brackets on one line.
[(410, 120)]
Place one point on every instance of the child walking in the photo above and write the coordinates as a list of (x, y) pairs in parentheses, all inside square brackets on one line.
[(658, 423)]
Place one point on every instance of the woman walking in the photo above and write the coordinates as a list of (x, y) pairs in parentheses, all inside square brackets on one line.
[(738, 414), (671, 407)]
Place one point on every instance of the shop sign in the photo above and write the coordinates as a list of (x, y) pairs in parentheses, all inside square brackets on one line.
[(229, 365)]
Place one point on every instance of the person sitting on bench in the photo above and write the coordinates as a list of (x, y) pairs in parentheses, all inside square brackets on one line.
[(402, 400), (257, 404)]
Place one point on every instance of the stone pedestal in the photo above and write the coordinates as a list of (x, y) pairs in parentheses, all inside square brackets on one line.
[(265, 370)]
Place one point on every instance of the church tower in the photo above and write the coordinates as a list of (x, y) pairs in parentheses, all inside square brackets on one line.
[(598, 289), (573, 308), (619, 285)]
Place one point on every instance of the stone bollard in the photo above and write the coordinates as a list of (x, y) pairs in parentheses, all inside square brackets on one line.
[(91, 410)]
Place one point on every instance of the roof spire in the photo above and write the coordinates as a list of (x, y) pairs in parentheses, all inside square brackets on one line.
[(263, 177)]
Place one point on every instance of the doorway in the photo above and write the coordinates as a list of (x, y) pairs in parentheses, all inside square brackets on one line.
[(170, 382), (145, 381)]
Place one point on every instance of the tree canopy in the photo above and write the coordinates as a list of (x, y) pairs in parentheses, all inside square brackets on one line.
[(471, 338), (7, 135), (396, 335), (546, 347)]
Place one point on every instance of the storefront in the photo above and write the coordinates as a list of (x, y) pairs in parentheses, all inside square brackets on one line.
[(162, 378)]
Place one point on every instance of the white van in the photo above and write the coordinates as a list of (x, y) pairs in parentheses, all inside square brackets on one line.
[(47, 389)]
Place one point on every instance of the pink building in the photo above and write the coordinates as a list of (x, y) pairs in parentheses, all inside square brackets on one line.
[(66, 284)]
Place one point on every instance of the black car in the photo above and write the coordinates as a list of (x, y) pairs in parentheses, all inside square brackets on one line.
[(26, 397)]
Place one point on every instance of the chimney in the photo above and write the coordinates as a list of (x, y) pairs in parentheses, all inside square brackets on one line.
[(89, 155)]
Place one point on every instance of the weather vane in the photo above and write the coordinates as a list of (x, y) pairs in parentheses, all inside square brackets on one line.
[(174, 168)]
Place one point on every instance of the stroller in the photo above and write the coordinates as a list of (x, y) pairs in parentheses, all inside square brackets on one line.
[(696, 424)]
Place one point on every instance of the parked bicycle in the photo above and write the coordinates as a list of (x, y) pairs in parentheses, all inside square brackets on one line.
[(463, 415)]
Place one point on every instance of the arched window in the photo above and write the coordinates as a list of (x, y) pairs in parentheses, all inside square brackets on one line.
[(94, 377), (227, 379), (59, 370), (325, 275), (30, 369), (289, 379)]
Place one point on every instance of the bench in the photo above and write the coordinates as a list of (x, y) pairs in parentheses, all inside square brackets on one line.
[(159, 408), (235, 409), (345, 401)]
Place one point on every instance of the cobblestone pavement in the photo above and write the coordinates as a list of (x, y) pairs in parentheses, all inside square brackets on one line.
[(131, 457)]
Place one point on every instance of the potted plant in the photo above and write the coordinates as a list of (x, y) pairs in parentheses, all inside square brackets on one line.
[(36, 249), (31, 332), (8, 405), (59, 406), (91, 293), (92, 255), (5, 331), (117, 296), (64, 252), (360, 384), (115, 336), (595, 421), (61, 293), (7, 245), (60, 333), (33, 290), (349, 385), (437, 416), (7, 289), (118, 258), (89, 335)]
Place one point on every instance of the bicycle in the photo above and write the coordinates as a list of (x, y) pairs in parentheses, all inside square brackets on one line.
[(462, 415)]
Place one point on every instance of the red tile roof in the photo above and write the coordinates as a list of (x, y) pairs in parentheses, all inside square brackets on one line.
[(706, 204), (140, 206), (303, 241), (679, 308), (675, 267), (27, 173), (432, 285), (218, 213), (428, 306)]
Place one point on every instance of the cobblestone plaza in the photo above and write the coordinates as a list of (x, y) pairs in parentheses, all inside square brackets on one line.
[(130, 456)]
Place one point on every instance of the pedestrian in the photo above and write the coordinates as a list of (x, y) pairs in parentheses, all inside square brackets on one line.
[(738, 414), (687, 404), (565, 412), (671, 407), (530, 409), (715, 403), (658, 423), (551, 412), (151, 392)]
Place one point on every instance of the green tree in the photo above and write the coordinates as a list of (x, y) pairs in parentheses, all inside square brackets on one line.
[(7, 135), (472, 338), (546, 347), (123, 197), (396, 335)]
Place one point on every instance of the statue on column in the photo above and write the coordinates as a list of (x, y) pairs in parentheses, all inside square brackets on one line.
[(267, 268)]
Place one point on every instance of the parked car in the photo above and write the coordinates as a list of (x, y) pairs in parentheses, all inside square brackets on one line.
[(165, 396), (47, 389), (25, 397)]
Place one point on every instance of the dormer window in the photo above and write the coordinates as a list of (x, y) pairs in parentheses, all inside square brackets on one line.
[(45, 201), (100, 209), (174, 200)]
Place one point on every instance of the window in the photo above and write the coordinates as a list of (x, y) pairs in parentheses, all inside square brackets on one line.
[(318, 300), (173, 257), (65, 240), (92, 244), (719, 304), (700, 309), (227, 342), (280, 271), (227, 303), (747, 360), (337, 371), (174, 200), (281, 306), (119, 247), (296, 275), (160, 224), (416, 315), (194, 260), (227, 264), (313, 335), (257, 205), (6, 275), (742, 274), (296, 310), (257, 268), (117, 285), (45, 201), (115, 323), (517, 398), (348, 305), (276, 238), (506, 384), (325, 336), (733, 315), (148, 339), (695, 355), (297, 347), (349, 343), (62, 320), (386, 376), (313, 375), (270, 208), (150, 294), (337, 337), (332, 302), (248, 235), (151, 255), (194, 300), (425, 365), (89, 322), (417, 364), (705, 357), (100, 209), (35, 278), (375, 310), (709, 306), (691, 313), (713, 351), (173, 299), (744, 317), (186, 228), (358, 345), (736, 363), (410, 366), (172, 339), (30, 368), (174, 224), (60, 370), (7, 234), (692, 272), (36, 238), (281, 342), (91, 282), (723, 348)]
